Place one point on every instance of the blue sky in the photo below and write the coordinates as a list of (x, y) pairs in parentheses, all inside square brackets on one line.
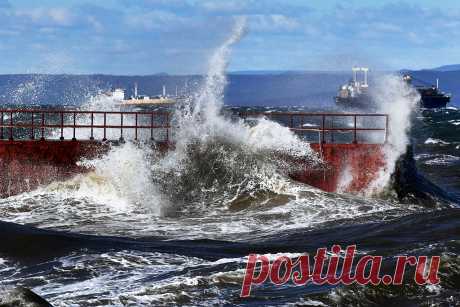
[(177, 36)]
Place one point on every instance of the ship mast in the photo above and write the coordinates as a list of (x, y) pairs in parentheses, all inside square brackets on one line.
[(365, 70), (362, 82), (355, 74)]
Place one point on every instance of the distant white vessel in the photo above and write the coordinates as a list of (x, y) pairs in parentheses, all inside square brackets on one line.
[(118, 95), (355, 93)]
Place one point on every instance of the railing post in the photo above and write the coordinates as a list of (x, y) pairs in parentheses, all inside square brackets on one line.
[(92, 129), (74, 124), (332, 129), (1, 126), (43, 127), (105, 127), (167, 127), (135, 127), (32, 134), (354, 130), (386, 128), (323, 139), (11, 125), (121, 128), (62, 126), (151, 126)]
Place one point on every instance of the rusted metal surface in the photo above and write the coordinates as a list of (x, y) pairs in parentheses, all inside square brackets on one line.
[(30, 162), (349, 167), (27, 164)]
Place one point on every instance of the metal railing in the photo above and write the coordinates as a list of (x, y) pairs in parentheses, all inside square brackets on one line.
[(326, 123), (59, 121), (64, 124)]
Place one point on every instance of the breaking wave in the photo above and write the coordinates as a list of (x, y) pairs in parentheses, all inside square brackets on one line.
[(396, 98), (212, 152)]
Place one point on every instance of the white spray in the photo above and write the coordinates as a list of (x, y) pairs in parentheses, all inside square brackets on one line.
[(233, 149), (198, 122), (121, 178), (396, 98), (201, 117), (209, 101)]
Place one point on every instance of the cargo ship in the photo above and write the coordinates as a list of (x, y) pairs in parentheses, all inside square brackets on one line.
[(163, 99), (355, 94), (430, 95)]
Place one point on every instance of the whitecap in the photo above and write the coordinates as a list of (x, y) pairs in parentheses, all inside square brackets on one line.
[(436, 141), (442, 160)]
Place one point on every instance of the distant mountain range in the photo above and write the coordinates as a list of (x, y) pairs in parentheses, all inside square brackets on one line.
[(282, 72), (451, 67), (443, 68)]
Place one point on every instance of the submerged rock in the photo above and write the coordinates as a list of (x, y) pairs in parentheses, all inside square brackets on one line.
[(411, 186), (22, 297)]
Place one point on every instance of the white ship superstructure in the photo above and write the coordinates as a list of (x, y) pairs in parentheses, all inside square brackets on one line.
[(118, 95), (355, 92)]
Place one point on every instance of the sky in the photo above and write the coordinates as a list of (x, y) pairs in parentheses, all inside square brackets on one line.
[(141, 37)]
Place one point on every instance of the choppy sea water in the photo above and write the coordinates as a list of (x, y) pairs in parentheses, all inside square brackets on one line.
[(437, 137), (130, 233)]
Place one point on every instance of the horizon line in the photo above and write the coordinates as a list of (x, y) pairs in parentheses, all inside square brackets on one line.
[(234, 72)]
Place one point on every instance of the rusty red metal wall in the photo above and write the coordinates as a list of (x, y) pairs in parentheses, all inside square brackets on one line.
[(362, 162), (27, 164)]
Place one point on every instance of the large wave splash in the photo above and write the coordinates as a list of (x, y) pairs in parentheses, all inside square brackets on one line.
[(200, 118), (398, 99), (217, 159)]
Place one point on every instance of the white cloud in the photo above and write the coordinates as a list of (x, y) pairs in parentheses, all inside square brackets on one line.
[(386, 27), (60, 16), (53, 16), (274, 22), (47, 30), (38, 46), (415, 38), (182, 29), (223, 6), (95, 23), (9, 32), (156, 20)]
